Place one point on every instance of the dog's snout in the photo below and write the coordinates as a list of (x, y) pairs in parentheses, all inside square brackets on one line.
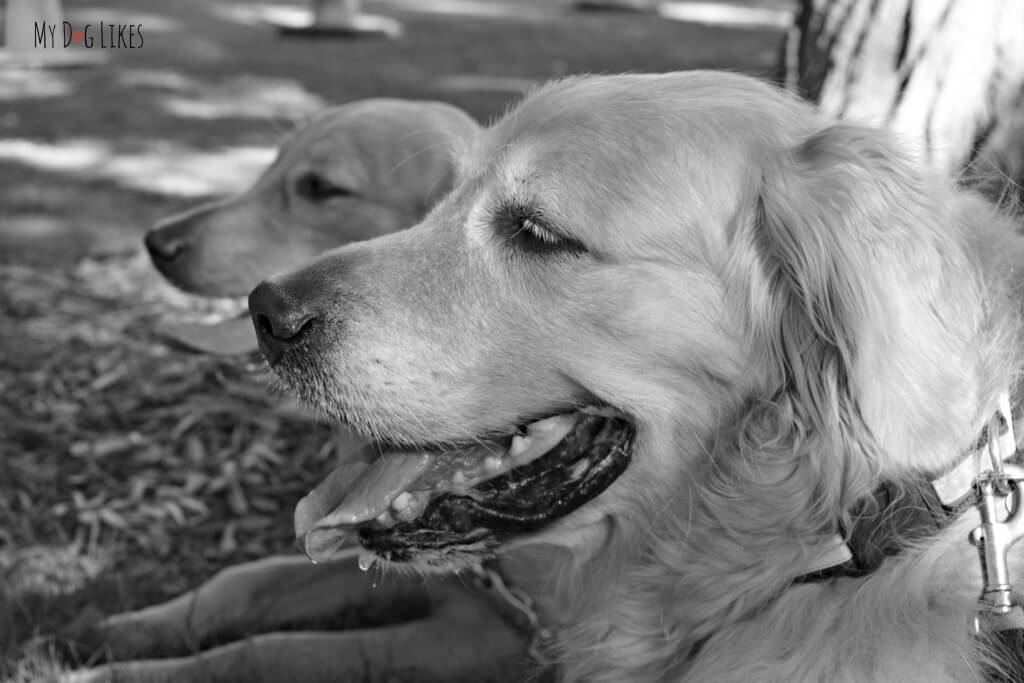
[(278, 318), (164, 245)]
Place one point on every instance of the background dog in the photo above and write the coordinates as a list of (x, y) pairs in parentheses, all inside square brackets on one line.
[(356, 171)]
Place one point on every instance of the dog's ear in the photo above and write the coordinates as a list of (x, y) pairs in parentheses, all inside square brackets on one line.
[(864, 304)]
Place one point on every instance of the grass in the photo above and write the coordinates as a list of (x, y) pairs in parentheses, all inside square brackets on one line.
[(131, 470)]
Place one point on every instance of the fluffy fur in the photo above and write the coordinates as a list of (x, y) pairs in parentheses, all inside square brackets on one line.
[(355, 171), (790, 309)]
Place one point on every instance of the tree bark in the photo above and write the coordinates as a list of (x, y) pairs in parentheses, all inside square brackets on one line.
[(947, 75)]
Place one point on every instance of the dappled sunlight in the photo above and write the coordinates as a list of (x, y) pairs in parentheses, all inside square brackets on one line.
[(163, 168), (711, 13), (256, 97), (297, 16), (73, 156), (62, 235), (23, 228), (157, 79), (18, 84), (479, 8), (246, 97), (726, 14), (155, 23), (257, 15), (186, 172)]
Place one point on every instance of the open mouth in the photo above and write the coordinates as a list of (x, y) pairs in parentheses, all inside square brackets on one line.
[(437, 505)]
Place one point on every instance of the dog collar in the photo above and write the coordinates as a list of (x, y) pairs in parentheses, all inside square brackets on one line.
[(895, 514), (987, 477)]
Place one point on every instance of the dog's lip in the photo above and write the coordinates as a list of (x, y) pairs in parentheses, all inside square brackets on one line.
[(398, 486), (399, 483), (454, 528)]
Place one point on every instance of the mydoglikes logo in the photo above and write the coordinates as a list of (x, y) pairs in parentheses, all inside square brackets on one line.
[(101, 35)]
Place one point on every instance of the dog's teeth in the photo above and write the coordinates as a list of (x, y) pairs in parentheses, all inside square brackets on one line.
[(541, 437), (401, 501), (562, 423), (459, 477), (385, 519), (492, 464), (519, 445), (366, 561), (579, 469), (408, 506)]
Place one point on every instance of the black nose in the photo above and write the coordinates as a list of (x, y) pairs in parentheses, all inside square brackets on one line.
[(164, 246), (279, 320)]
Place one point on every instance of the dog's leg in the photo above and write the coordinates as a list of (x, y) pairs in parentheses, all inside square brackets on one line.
[(255, 597), (463, 639)]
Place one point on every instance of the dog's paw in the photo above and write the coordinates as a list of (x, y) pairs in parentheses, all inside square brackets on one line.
[(455, 632), (444, 649)]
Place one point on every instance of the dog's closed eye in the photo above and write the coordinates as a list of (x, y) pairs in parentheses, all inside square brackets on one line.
[(315, 187), (525, 227)]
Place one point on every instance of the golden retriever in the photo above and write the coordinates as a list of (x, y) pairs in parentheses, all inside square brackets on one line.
[(680, 326), (355, 171)]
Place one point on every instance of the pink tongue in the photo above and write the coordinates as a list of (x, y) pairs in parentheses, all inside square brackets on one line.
[(319, 502), (353, 493)]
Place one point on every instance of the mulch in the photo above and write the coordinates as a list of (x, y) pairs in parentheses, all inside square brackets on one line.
[(127, 461)]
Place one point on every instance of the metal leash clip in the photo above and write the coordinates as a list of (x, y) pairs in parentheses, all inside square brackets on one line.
[(999, 494)]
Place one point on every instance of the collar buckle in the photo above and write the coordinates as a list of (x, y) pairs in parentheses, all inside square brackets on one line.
[(1002, 525)]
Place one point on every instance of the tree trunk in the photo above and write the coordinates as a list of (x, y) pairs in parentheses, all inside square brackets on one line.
[(945, 74)]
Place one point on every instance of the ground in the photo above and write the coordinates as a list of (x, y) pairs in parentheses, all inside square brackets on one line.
[(130, 470)]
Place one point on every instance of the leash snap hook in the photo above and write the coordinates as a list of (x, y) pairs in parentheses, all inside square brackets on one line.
[(995, 536)]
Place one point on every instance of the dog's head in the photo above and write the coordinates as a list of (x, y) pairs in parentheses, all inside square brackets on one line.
[(357, 171), (638, 283)]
